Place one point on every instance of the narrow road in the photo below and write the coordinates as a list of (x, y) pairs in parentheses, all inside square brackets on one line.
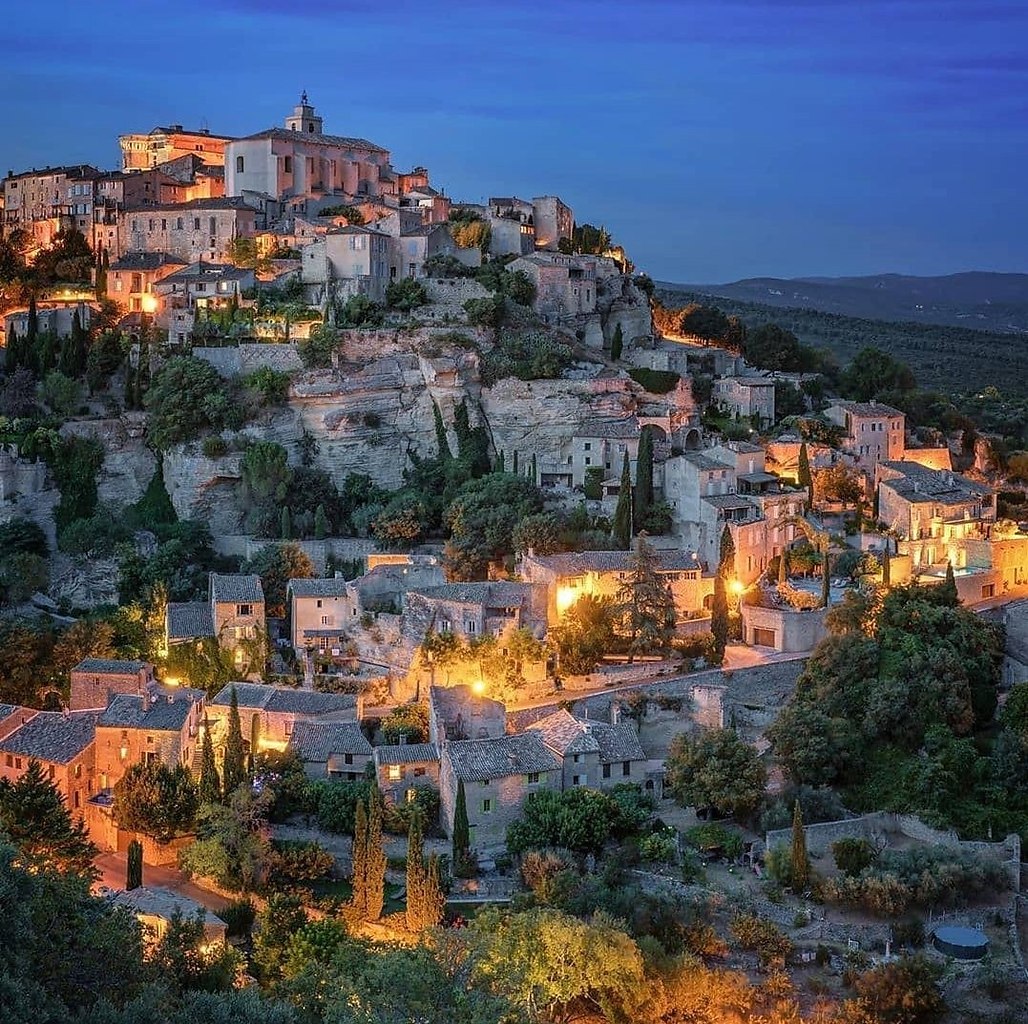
[(112, 874)]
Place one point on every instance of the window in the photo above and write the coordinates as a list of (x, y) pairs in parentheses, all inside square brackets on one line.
[(9, 761), (287, 164), (588, 446), (532, 778), (577, 758), (606, 771), (578, 780), (76, 798), (318, 605), (214, 225), (51, 771), (348, 759), (240, 165), (244, 609), (487, 806), (164, 223), (196, 223), (419, 773), (471, 628), (326, 620), (411, 795), (394, 773), (626, 767), (17, 763)]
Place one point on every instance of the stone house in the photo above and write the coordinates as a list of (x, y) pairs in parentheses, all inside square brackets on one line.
[(95, 680), (163, 724), (746, 397), (163, 144), (459, 713), (564, 285), (155, 908), (478, 609), (299, 159), (400, 767), (200, 229), (62, 743), (595, 754), (331, 750), (319, 612), (269, 714), (349, 261), (49, 200), (203, 286), (933, 511), (499, 775), (872, 432), (511, 226), (569, 575), (234, 613), (431, 206), (412, 247), (131, 278)]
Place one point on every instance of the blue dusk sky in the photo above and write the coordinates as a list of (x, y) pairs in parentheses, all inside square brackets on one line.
[(716, 140)]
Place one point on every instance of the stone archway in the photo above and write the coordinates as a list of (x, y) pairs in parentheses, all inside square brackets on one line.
[(693, 440)]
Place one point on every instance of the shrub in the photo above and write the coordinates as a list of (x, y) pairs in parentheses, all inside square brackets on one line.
[(657, 382), (214, 447), (239, 916), (485, 312), (529, 355), (762, 937), (852, 855), (316, 350), (405, 295), (271, 385), (359, 311), (715, 839), (659, 846), (421, 799), (300, 861)]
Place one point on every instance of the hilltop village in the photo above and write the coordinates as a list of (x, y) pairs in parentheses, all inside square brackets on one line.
[(329, 499)]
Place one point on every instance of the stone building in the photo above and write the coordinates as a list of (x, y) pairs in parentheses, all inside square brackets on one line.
[(571, 575), (234, 613), (554, 220), (162, 724), (872, 432), (95, 680), (50, 200), (331, 750), (62, 743), (131, 278), (595, 754), (348, 261), (301, 160), (459, 713), (200, 229), (401, 767), (564, 285), (163, 144), (478, 609), (269, 714), (499, 775), (746, 397)]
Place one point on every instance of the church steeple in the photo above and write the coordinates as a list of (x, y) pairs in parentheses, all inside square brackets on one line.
[(303, 119)]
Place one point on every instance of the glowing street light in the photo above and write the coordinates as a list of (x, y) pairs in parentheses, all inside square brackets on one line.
[(478, 687)]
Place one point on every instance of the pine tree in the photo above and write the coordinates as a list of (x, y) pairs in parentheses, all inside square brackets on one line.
[(320, 523), (617, 343), (210, 784), (643, 494), (948, 589), (804, 478), (622, 530), (359, 859), (799, 866), (461, 829), (375, 857), (233, 769), (286, 529), (646, 603), (134, 866), (35, 820)]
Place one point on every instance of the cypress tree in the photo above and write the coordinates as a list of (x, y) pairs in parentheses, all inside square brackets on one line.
[(320, 523), (535, 469), (622, 530), (617, 343), (949, 587), (415, 874), (359, 858), (826, 579), (804, 478), (719, 620), (375, 857), (514, 465), (130, 385), (783, 567), (643, 494), (461, 828), (102, 263), (31, 331), (726, 561), (134, 867), (433, 899), (210, 784), (143, 371), (499, 461), (799, 866), (233, 769), (440, 434), (74, 350), (12, 353), (885, 566), (286, 529)]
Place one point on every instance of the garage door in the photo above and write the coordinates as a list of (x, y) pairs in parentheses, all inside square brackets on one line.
[(763, 637)]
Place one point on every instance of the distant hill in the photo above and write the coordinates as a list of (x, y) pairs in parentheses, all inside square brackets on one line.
[(952, 360), (978, 299)]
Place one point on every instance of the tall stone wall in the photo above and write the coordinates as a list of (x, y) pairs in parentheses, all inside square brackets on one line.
[(241, 545), (233, 360)]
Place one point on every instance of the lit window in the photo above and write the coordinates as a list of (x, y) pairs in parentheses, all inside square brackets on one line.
[(394, 773)]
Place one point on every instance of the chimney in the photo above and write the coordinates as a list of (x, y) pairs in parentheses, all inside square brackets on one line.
[(615, 713)]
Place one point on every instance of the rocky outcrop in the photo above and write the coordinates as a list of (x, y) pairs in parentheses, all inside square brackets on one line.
[(204, 489), (128, 465)]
